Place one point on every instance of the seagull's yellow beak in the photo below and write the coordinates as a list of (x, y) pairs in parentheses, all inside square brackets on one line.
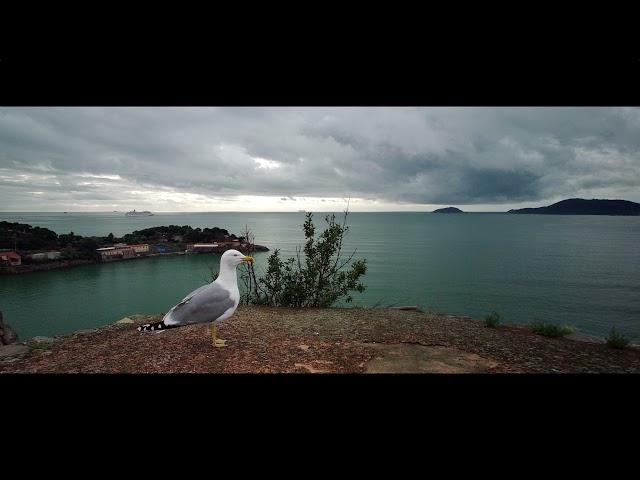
[(247, 259)]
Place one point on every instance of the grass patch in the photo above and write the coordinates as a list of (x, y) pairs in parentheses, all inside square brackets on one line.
[(492, 320), (617, 340), (550, 329)]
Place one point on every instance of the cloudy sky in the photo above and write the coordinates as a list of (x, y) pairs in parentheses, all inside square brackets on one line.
[(287, 159)]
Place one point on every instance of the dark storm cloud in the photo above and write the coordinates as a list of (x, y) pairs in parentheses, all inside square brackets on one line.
[(415, 155)]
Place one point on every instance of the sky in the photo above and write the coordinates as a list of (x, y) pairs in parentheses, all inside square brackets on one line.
[(314, 158)]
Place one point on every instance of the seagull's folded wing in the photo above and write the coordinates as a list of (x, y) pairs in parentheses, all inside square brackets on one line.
[(206, 304)]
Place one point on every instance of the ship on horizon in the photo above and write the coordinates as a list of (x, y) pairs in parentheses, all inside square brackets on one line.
[(133, 213)]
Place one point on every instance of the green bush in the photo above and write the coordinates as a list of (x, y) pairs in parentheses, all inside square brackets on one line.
[(319, 276), (492, 320), (617, 340), (550, 329)]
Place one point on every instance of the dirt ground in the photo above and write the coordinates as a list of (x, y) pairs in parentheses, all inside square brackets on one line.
[(282, 340)]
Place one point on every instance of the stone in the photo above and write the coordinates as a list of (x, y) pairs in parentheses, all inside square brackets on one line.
[(414, 308), (303, 347), (7, 351), (8, 335), (583, 337), (310, 368), (411, 358), (125, 320), (41, 340), (85, 331)]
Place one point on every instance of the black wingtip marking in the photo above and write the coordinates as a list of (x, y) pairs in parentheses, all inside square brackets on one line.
[(147, 327)]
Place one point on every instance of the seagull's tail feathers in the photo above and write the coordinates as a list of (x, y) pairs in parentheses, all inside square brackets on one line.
[(155, 326)]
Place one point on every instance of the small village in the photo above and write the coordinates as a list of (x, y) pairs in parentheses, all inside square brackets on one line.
[(78, 250), (122, 251)]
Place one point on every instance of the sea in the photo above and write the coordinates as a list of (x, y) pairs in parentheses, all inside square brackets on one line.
[(576, 270)]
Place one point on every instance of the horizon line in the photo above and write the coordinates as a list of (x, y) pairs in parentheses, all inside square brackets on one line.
[(247, 211)]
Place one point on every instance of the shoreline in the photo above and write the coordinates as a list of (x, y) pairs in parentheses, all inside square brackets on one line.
[(153, 241), (68, 264), (47, 267)]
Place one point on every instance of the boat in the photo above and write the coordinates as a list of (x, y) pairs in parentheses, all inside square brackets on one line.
[(133, 213)]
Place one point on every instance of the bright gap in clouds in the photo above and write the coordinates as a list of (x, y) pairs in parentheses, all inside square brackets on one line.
[(266, 163)]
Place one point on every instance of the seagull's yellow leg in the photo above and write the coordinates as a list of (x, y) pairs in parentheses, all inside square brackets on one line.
[(217, 342)]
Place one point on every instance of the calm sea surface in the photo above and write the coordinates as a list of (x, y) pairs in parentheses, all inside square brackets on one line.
[(583, 271)]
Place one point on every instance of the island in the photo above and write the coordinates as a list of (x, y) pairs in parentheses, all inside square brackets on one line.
[(448, 210), (580, 206), (24, 248)]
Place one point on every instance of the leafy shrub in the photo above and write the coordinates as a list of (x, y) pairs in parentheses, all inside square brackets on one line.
[(492, 320), (617, 340), (318, 276), (550, 329)]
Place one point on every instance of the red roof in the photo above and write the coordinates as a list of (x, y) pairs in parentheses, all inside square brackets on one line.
[(10, 255)]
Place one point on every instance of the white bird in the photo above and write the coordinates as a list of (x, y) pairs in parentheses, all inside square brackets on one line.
[(211, 303)]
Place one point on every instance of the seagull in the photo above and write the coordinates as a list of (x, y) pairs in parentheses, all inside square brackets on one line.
[(211, 303)]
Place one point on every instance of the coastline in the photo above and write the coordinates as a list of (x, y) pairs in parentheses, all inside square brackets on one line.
[(67, 264), (40, 249)]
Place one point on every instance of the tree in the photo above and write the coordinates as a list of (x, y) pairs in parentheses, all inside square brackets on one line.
[(247, 272), (87, 247), (319, 277)]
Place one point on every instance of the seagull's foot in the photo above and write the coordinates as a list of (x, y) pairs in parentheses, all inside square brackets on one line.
[(218, 342)]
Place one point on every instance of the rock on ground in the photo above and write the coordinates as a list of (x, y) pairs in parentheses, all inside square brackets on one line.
[(41, 340), (8, 335), (7, 351), (125, 320), (409, 358)]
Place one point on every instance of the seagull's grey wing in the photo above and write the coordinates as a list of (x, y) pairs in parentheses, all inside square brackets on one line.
[(194, 293), (206, 304)]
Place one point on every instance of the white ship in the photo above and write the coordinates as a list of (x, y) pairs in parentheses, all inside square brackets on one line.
[(133, 213)]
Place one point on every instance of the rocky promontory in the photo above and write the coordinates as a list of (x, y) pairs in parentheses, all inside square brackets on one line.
[(329, 340), (580, 206)]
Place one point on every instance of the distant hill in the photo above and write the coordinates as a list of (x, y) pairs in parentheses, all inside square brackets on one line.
[(448, 210), (580, 206)]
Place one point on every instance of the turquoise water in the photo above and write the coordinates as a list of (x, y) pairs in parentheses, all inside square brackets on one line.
[(582, 271)]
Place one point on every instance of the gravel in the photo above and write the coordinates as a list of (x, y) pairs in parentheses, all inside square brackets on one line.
[(283, 340)]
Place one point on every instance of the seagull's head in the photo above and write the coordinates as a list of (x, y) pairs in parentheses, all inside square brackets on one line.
[(233, 258)]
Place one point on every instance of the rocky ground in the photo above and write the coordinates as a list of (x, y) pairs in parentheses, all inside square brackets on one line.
[(281, 340)]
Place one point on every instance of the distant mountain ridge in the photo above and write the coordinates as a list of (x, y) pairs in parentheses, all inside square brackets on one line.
[(448, 210), (580, 206)]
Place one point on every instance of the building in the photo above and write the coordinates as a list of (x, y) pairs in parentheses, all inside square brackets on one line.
[(202, 247), (140, 248), (126, 251), (230, 243), (107, 253), (52, 255), (117, 252), (10, 259)]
